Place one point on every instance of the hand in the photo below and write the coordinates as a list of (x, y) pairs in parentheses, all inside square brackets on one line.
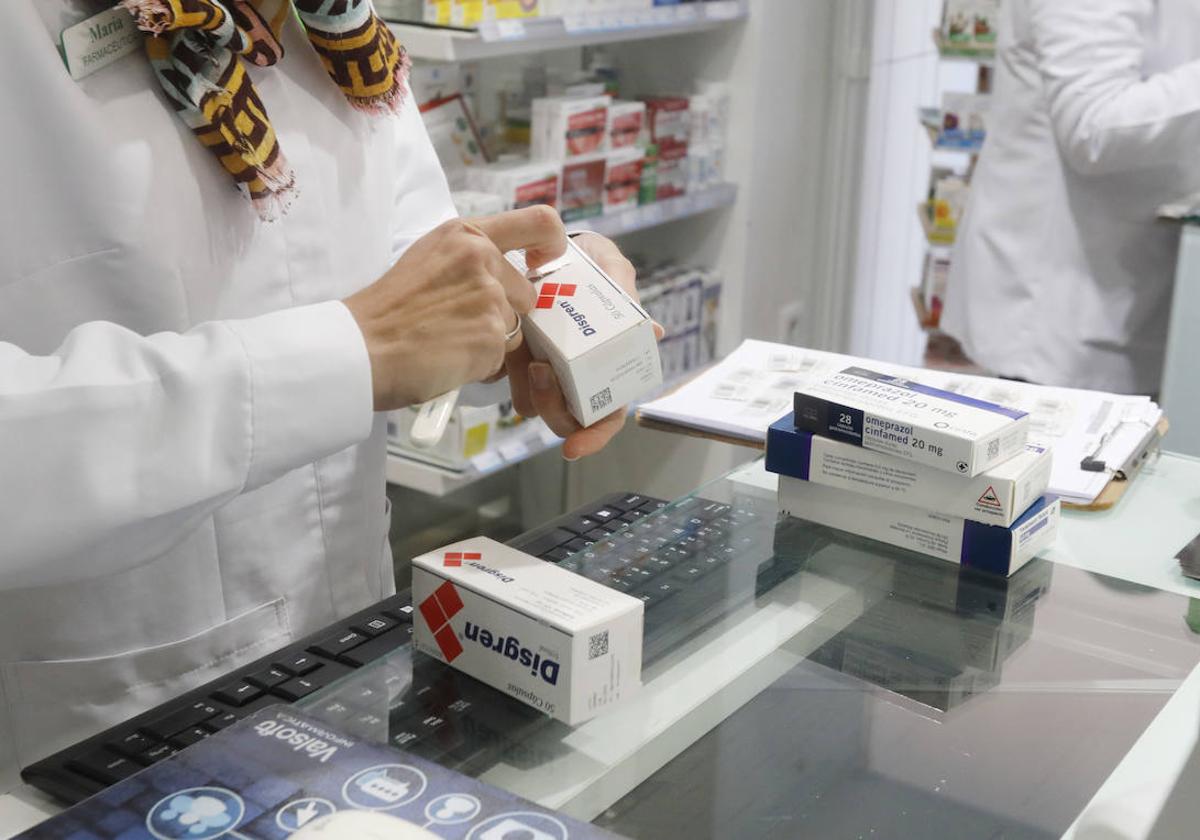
[(437, 319), (535, 388)]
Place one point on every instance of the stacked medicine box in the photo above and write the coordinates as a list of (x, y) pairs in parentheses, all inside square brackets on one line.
[(920, 468), (686, 302)]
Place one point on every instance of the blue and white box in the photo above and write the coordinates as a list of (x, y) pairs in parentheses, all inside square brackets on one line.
[(997, 496), (897, 416), (989, 548)]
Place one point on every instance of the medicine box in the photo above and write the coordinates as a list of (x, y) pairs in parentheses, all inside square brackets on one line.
[(996, 496), (581, 195), (897, 416), (519, 184), (546, 636), (668, 119), (564, 127), (672, 172), (623, 178), (989, 548), (625, 123), (600, 342)]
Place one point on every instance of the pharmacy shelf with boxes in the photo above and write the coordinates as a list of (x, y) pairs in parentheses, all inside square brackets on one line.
[(957, 129), (516, 132)]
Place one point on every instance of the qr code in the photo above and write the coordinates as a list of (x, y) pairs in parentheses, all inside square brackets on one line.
[(598, 645), (602, 400), (993, 449)]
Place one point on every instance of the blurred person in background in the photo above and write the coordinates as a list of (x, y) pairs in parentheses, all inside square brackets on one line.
[(1061, 274)]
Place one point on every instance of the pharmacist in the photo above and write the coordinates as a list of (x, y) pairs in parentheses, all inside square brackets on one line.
[(201, 304), (1061, 274)]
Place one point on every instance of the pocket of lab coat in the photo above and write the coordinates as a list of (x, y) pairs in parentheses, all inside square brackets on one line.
[(52, 704)]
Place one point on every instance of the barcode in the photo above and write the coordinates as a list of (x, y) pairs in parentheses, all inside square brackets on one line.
[(993, 449), (598, 645), (602, 400)]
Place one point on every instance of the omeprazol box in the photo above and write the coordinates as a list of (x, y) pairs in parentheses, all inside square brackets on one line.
[(550, 638), (600, 343), (989, 548), (890, 414), (996, 496)]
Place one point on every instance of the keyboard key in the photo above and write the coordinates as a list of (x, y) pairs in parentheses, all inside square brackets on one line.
[(613, 526), (633, 500), (132, 744), (297, 688), (223, 721), (606, 514), (632, 516), (334, 646), (190, 736), (377, 648), (556, 555), (376, 625), (157, 753), (103, 766), (652, 506), (581, 525), (180, 719), (237, 693), (577, 545), (551, 539), (268, 678), (402, 614), (571, 565), (299, 665), (596, 535)]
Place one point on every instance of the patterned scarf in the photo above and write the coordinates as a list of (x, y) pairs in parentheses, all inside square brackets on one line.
[(197, 55)]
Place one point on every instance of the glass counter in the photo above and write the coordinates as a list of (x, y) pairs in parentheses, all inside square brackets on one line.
[(835, 688)]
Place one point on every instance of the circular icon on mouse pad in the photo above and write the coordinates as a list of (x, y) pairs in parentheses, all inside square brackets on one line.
[(200, 813)]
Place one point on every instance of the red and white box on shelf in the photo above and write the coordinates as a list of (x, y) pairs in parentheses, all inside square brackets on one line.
[(626, 122), (669, 120), (546, 636), (623, 180), (673, 171), (518, 183), (581, 195), (564, 127)]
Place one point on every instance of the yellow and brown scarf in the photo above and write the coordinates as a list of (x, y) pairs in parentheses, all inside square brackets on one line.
[(197, 53)]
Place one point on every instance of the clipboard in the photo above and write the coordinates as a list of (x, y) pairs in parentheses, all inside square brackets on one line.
[(1112, 493)]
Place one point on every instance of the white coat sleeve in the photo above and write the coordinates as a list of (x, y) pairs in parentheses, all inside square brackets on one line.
[(116, 445), (422, 202), (1106, 115)]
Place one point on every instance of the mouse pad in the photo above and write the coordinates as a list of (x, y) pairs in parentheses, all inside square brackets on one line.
[(273, 773)]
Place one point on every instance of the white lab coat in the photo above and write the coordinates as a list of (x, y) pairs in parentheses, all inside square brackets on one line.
[(1061, 274), (191, 474)]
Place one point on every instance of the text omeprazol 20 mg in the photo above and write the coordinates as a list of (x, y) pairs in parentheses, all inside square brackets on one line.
[(890, 414), (549, 637), (997, 496), (600, 343)]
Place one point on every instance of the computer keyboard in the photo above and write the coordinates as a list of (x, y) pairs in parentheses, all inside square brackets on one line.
[(682, 562)]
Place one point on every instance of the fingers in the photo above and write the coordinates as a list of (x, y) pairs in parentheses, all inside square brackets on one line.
[(591, 440), (517, 288), (517, 364), (610, 259), (538, 230), (513, 338), (548, 402)]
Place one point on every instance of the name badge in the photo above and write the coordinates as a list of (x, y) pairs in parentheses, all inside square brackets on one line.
[(97, 42)]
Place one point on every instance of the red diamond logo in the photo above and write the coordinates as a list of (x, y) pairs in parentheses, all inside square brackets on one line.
[(437, 610), (550, 291)]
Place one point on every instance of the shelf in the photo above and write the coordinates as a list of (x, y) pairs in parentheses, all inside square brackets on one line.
[(948, 49), (515, 37), (934, 235), (511, 447), (660, 212)]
